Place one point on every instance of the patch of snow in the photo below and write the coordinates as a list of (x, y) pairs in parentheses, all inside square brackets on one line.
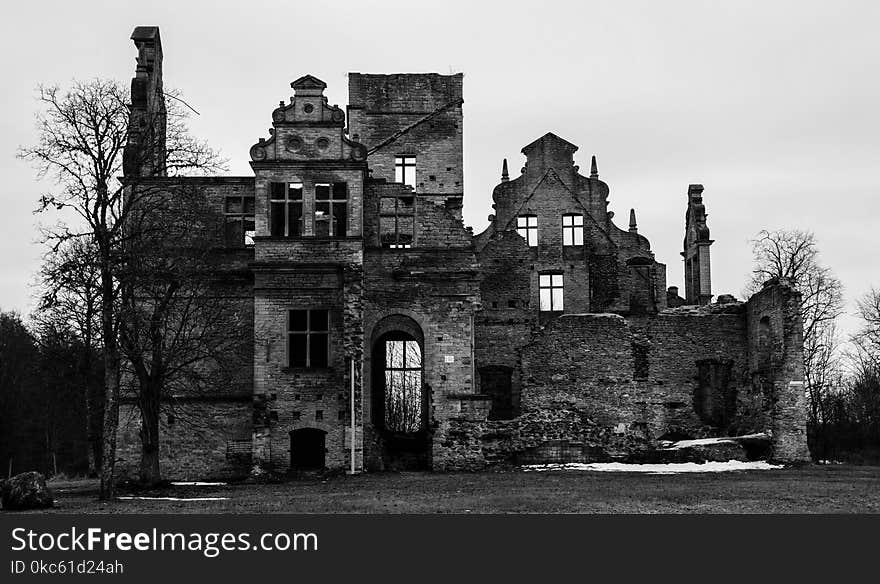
[(197, 484), (173, 499), (668, 468), (707, 441), (593, 315), (699, 442)]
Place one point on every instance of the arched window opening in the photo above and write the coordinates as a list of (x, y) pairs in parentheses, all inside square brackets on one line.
[(404, 408)]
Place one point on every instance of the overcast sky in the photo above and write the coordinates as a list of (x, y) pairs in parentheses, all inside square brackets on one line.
[(773, 106)]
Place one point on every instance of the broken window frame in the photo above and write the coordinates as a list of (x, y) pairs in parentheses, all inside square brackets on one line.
[(313, 336), (289, 205), (242, 218), (336, 209), (572, 229), (551, 292), (398, 239), (527, 227), (405, 169)]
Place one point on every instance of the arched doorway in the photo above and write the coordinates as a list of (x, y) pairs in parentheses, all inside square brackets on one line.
[(307, 449), (400, 402)]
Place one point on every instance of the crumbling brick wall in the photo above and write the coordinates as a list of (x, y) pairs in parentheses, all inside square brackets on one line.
[(411, 114), (775, 335), (435, 284)]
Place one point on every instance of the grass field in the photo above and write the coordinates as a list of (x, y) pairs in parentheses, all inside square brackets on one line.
[(814, 489)]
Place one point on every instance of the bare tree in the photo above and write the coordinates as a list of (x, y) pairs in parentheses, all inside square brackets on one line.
[(867, 338), (180, 335), (83, 136), (794, 256)]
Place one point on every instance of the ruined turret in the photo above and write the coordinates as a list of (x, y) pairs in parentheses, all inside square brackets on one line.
[(697, 271), (144, 153)]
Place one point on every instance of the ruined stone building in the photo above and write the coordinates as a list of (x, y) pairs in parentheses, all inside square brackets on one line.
[(384, 334)]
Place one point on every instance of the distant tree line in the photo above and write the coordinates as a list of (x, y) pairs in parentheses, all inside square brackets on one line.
[(49, 379)]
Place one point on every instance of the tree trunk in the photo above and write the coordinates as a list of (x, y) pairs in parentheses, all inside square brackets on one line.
[(111, 385), (149, 405), (92, 448)]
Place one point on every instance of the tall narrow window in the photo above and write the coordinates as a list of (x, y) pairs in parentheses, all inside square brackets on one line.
[(286, 209), (527, 226), (550, 287), (405, 170), (572, 229), (403, 385), (308, 338), (239, 221), (396, 216), (331, 209)]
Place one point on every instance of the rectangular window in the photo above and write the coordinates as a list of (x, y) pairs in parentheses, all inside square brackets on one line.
[(331, 209), (550, 287), (405, 170), (239, 227), (572, 229), (286, 209), (527, 227), (308, 338)]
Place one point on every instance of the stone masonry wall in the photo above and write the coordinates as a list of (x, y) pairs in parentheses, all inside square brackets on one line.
[(382, 107), (203, 439), (778, 306)]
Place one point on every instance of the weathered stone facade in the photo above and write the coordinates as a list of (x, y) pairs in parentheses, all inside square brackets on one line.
[(386, 335)]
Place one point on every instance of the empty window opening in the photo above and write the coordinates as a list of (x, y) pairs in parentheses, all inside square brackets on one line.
[(765, 345), (239, 221), (397, 222), (641, 366), (527, 227), (714, 398), (495, 381), (551, 292), (286, 209), (331, 209), (405, 170), (308, 333), (572, 229)]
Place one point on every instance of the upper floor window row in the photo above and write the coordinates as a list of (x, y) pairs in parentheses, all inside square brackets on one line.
[(287, 204), (572, 229)]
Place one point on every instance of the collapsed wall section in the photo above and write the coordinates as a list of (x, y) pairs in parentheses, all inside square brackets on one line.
[(775, 335)]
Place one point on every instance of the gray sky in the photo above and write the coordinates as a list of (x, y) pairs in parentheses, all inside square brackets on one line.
[(773, 106)]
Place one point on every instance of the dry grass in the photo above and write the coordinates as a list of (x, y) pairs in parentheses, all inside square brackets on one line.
[(815, 489)]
